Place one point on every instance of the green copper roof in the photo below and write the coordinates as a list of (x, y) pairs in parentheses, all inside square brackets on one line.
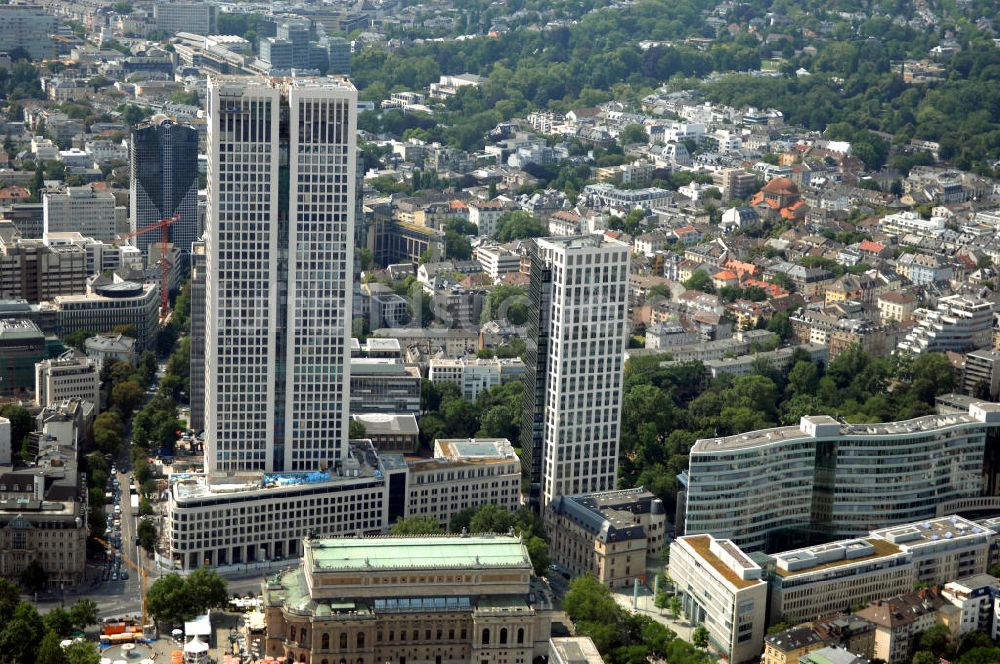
[(419, 552)]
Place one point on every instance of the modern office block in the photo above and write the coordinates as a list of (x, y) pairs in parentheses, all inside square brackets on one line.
[(722, 589), (104, 308), (572, 404), (823, 479), (196, 17), (339, 56), (163, 181), (22, 345), (33, 271), (71, 376), (383, 386), (27, 27), (279, 255), (83, 210)]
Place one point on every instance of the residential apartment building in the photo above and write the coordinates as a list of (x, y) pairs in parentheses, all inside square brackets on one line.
[(485, 215), (28, 27), (442, 599), (195, 17), (106, 307), (279, 249), (83, 210), (974, 597), (474, 376), (899, 620), (786, 647), (575, 363), (896, 306), (43, 512), (33, 271), (923, 269), (609, 534), (959, 323), (830, 478), (383, 386), (498, 260), (163, 180), (71, 376), (721, 589), (981, 374), (838, 576), (464, 474)]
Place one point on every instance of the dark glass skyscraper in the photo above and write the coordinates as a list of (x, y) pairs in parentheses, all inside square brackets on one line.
[(163, 159)]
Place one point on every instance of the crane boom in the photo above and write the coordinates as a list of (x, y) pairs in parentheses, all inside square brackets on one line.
[(162, 225)]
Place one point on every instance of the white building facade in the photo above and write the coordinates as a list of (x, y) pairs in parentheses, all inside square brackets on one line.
[(83, 210), (279, 254)]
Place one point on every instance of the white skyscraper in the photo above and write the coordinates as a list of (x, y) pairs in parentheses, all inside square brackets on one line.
[(579, 285), (279, 255)]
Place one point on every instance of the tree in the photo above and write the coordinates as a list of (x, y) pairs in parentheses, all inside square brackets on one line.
[(207, 589), (34, 577), (589, 600), (924, 657), (937, 641), (84, 613), (674, 606), (538, 552), (76, 339), (462, 519), (633, 133), (356, 430), (126, 396), (59, 621), (699, 638), (415, 525), (491, 519), (21, 635), (49, 651), (145, 507), (82, 652), (518, 225), (700, 281), (10, 596), (147, 535), (168, 602), (21, 423)]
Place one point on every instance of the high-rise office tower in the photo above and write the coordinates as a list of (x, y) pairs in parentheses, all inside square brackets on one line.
[(572, 399), (279, 250), (196, 371), (163, 181)]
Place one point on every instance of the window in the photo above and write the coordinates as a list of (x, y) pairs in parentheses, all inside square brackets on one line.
[(343, 639), (291, 633), (325, 642), (486, 637), (503, 635), (520, 635), (361, 640)]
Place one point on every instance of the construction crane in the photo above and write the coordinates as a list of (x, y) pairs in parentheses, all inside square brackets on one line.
[(139, 569), (162, 226)]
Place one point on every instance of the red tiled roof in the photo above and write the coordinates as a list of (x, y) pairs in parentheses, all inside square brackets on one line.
[(872, 247)]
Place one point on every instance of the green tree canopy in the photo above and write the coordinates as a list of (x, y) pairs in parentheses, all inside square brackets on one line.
[(415, 525)]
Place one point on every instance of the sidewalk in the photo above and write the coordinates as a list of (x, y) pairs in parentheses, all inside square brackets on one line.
[(645, 607)]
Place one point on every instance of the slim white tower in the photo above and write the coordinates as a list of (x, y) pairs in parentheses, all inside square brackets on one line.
[(279, 249), (586, 330)]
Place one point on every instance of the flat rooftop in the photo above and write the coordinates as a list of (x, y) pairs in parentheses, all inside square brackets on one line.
[(575, 650), (426, 552), (387, 423), (473, 449), (702, 546), (932, 531), (763, 437), (814, 558)]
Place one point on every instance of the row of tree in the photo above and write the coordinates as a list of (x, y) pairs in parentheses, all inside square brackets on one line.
[(29, 638)]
